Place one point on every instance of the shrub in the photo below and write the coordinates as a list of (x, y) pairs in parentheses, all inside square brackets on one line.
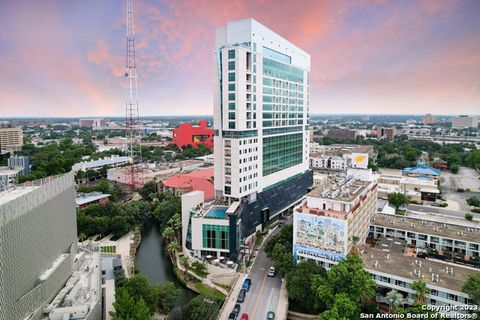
[(469, 216)]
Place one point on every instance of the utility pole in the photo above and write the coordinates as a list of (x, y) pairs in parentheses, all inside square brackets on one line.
[(132, 116)]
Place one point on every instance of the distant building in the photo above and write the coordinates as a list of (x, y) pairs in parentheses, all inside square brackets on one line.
[(365, 117), (428, 119), (422, 172), (20, 162), (112, 161), (92, 122), (463, 122), (318, 161), (416, 189), (386, 133), (11, 138), (440, 164), (187, 134), (200, 180), (84, 200), (342, 134)]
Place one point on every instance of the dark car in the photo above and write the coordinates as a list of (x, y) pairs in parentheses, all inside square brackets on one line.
[(246, 284), (232, 316), (236, 309), (241, 295), (270, 315)]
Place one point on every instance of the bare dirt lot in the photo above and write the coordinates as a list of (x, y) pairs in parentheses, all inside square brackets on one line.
[(466, 178)]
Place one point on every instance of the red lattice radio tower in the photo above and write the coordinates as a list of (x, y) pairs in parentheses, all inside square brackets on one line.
[(132, 116)]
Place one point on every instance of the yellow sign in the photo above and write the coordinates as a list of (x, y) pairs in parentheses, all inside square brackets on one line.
[(360, 160)]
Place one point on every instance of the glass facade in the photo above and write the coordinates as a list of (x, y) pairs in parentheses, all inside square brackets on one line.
[(215, 237), (281, 152)]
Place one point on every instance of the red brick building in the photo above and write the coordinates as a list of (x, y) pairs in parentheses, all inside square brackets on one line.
[(187, 134)]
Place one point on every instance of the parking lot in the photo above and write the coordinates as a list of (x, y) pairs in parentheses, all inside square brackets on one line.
[(466, 178)]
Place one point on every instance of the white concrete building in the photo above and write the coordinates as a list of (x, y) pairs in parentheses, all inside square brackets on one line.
[(261, 111)]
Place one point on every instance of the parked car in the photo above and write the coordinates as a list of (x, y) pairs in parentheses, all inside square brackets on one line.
[(270, 315), (246, 284), (236, 309), (271, 272), (244, 316), (232, 316), (241, 295)]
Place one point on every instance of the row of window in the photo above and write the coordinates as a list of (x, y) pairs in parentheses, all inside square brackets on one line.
[(281, 152)]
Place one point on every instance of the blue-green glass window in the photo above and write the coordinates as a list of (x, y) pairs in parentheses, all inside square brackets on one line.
[(281, 152), (267, 115), (231, 106), (231, 125), (231, 116), (231, 76), (254, 79), (231, 96), (267, 90), (254, 68), (267, 99), (231, 54), (300, 95), (292, 94), (254, 47), (254, 97), (231, 65), (254, 106), (231, 86), (267, 107), (254, 58), (215, 236), (267, 123), (267, 82), (272, 68), (300, 121), (285, 85), (300, 102), (300, 88)]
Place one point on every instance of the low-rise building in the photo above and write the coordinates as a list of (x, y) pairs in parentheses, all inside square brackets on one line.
[(342, 134), (187, 134), (319, 161), (416, 189), (424, 171), (200, 180), (84, 200), (440, 164), (330, 221), (386, 133), (110, 162)]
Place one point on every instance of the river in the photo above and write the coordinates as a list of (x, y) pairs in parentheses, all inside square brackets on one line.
[(155, 264)]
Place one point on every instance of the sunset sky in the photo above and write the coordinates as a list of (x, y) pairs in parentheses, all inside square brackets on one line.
[(66, 57)]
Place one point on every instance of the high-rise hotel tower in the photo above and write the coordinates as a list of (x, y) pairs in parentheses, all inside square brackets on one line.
[(260, 121)]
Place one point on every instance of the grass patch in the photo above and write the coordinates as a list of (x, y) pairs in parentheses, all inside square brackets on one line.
[(209, 292), (400, 212), (108, 249)]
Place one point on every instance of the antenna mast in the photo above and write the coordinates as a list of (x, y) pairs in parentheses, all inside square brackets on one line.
[(132, 117)]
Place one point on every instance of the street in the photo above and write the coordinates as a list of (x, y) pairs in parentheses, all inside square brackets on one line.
[(264, 292), (430, 209)]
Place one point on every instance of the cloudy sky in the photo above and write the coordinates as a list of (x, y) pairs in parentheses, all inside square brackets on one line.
[(66, 57)]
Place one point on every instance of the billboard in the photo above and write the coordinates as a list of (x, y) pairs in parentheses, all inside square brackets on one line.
[(360, 160), (319, 236)]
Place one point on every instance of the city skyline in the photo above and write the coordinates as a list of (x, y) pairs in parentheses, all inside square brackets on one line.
[(367, 57)]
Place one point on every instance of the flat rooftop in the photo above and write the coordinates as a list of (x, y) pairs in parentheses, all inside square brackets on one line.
[(15, 192), (339, 188), (396, 263), (461, 231)]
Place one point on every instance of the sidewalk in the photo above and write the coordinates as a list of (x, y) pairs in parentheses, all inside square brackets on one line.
[(282, 305), (231, 299)]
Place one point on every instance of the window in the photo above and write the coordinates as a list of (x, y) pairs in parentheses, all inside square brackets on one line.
[(231, 125), (231, 87), (231, 76), (231, 116), (231, 96), (231, 106), (231, 65), (231, 54)]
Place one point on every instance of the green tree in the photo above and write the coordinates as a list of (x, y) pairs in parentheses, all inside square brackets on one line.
[(299, 287), (172, 248), (168, 295), (454, 168), (199, 308), (394, 299), (397, 200), (347, 277), (473, 201), (283, 260), (472, 287), (283, 237), (148, 189), (343, 309), (421, 291), (184, 263), (126, 308), (168, 234), (199, 268), (139, 288), (468, 216)]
